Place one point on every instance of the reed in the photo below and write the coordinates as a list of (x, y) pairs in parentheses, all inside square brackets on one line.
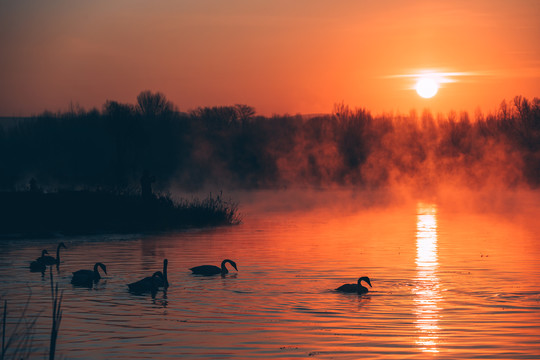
[(56, 315), (17, 344)]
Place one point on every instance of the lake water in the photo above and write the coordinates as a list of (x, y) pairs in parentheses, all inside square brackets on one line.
[(449, 282)]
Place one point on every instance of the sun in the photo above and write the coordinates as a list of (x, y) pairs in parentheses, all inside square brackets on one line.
[(427, 86)]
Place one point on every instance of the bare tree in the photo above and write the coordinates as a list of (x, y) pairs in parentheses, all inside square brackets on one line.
[(244, 112), (153, 104)]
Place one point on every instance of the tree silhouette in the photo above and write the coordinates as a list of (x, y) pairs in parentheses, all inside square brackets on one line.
[(152, 105), (245, 112), (229, 146)]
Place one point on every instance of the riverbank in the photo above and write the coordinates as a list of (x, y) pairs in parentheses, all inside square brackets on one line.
[(85, 212)]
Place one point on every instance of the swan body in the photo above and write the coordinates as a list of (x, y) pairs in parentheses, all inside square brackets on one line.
[(208, 270), (88, 277), (39, 265), (149, 284), (356, 288), (49, 260)]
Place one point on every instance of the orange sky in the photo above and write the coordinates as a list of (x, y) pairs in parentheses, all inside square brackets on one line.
[(279, 56)]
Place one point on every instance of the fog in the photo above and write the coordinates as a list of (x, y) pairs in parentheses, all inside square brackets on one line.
[(375, 160)]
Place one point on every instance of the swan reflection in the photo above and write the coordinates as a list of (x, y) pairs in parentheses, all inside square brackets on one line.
[(427, 289)]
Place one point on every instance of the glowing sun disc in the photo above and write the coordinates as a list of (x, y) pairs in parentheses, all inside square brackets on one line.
[(426, 87)]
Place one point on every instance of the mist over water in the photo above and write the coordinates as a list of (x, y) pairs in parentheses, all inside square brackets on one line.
[(232, 148)]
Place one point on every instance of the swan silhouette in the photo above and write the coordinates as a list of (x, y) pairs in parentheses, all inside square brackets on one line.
[(88, 277), (39, 265), (209, 270), (149, 284), (356, 288), (49, 260)]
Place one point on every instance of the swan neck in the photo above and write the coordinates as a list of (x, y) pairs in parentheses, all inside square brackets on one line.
[(165, 281), (96, 270), (223, 267)]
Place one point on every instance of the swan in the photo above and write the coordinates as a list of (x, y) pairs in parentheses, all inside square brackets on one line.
[(38, 265), (356, 288), (148, 284), (208, 270), (49, 260), (87, 277), (151, 283)]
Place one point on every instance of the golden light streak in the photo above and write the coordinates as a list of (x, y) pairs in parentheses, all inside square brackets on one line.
[(427, 288)]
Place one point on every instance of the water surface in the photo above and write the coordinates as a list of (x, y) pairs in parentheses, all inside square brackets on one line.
[(446, 284)]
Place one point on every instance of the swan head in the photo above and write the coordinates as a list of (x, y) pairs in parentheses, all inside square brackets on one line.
[(62, 245), (44, 252), (366, 279), (102, 266), (233, 264)]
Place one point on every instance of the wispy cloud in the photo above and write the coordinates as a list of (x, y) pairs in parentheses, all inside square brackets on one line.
[(440, 76), (454, 76)]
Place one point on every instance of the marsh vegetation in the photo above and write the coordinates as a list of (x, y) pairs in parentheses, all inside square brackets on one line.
[(87, 212)]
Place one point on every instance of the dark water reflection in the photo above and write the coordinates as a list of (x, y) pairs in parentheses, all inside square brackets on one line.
[(445, 285)]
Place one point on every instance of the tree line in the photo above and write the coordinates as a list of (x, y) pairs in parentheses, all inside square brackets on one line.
[(232, 147)]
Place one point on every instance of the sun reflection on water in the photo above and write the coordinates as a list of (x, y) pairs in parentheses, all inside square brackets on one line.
[(427, 288)]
